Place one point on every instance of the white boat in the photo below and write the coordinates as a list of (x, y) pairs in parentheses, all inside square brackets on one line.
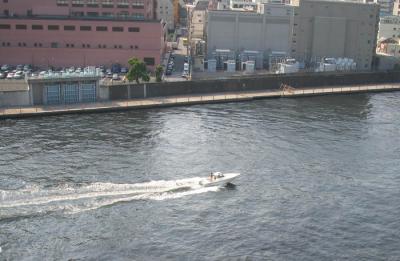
[(219, 179)]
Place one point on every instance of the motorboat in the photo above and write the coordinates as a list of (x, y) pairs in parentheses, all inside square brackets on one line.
[(219, 179)]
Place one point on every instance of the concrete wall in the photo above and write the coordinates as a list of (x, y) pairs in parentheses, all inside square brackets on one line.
[(335, 29), (14, 99), (270, 82)]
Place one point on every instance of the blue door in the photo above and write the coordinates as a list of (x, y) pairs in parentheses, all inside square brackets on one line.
[(71, 93), (88, 92), (53, 94)]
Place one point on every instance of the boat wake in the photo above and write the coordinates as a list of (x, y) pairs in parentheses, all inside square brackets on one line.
[(70, 199)]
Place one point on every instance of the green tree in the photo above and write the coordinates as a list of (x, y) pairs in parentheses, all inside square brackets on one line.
[(159, 71), (137, 71)]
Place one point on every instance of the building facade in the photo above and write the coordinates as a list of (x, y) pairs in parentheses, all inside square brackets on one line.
[(335, 29), (396, 7), (264, 31), (165, 12), (389, 27), (61, 33), (386, 7), (198, 19)]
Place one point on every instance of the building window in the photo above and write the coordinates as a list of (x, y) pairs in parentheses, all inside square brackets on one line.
[(77, 14), (83, 45), (24, 44), (107, 14), (19, 44), (69, 27), (118, 29), (138, 16), (6, 12), (149, 60), (92, 3), (120, 47), (107, 4), (54, 45), (101, 28), (134, 29), (35, 44), (88, 46), (53, 27), (92, 14), (5, 26), (86, 28), (40, 45), (77, 3), (123, 14), (123, 4), (62, 2), (37, 27), (72, 45), (5, 1), (21, 27), (104, 46), (99, 46), (138, 4)]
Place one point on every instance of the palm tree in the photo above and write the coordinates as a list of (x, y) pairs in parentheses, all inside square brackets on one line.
[(137, 71), (159, 71)]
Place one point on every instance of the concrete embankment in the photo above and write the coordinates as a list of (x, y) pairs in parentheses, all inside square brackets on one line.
[(189, 100)]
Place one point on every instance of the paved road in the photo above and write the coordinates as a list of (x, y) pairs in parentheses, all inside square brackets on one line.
[(179, 54)]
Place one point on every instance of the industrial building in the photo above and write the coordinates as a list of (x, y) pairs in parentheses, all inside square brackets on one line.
[(267, 30), (307, 30), (335, 29), (59, 33)]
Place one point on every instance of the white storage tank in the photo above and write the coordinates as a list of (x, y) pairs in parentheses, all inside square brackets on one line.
[(230, 66), (288, 66), (212, 65), (250, 66)]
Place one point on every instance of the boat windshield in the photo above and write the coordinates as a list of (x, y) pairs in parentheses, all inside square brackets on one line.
[(218, 174)]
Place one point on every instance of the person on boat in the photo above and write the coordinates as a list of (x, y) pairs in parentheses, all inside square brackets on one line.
[(212, 176)]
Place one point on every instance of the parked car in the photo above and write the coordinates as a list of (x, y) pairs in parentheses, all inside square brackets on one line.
[(124, 70), (2, 75), (10, 76), (168, 72), (109, 75), (185, 74), (27, 67), (115, 68), (5, 67), (18, 75), (115, 77)]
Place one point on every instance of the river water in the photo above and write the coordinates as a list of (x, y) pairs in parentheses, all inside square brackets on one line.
[(319, 181)]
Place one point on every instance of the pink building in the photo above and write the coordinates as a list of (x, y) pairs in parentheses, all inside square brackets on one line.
[(79, 32)]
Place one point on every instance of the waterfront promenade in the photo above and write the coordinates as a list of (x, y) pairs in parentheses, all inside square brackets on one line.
[(188, 100)]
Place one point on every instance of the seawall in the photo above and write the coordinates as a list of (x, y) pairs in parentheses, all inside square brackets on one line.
[(248, 83), (188, 100)]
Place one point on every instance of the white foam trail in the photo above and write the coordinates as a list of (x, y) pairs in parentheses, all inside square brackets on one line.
[(75, 199)]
